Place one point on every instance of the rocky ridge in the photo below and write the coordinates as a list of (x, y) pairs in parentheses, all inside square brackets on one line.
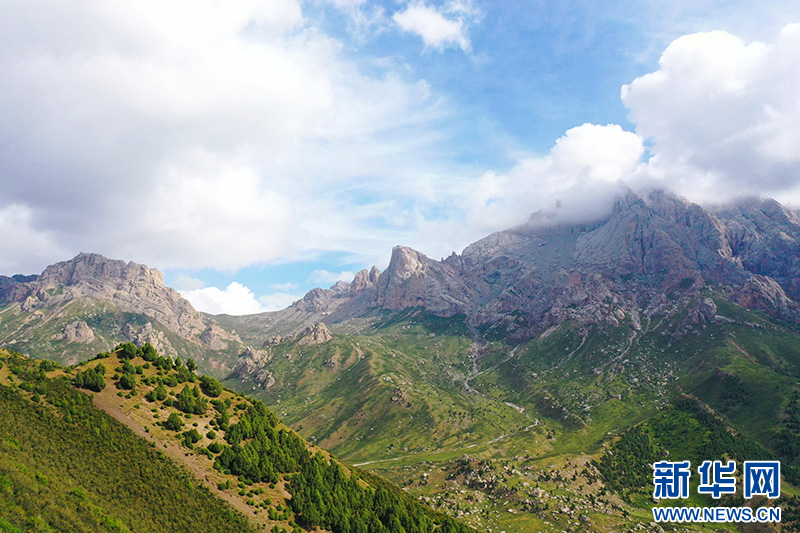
[(534, 276), (521, 281)]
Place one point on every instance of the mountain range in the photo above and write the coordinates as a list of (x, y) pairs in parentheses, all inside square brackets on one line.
[(503, 384), (523, 280), (527, 279)]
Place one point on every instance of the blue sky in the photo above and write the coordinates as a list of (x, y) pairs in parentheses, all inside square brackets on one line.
[(253, 150)]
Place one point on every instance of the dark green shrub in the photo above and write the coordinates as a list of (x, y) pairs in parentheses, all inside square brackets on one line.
[(48, 366), (193, 435), (90, 379), (160, 392), (149, 353), (127, 381), (210, 386), (174, 422), (126, 351)]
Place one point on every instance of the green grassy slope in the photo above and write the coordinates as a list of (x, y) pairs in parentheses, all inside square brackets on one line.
[(72, 467), (397, 391), (505, 435)]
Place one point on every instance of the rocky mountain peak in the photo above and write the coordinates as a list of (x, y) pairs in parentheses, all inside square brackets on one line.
[(666, 204), (770, 209), (364, 280), (374, 274), (406, 262), (414, 280), (316, 333), (127, 286), (96, 269), (315, 301), (628, 201)]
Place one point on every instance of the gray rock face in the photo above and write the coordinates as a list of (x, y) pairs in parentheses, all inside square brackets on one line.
[(79, 331), (216, 338), (765, 294), (365, 279), (593, 272), (316, 333), (253, 364), (7, 284), (148, 333), (414, 280), (765, 237), (129, 286)]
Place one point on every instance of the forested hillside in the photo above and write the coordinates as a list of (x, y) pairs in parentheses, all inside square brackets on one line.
[(70, 466)]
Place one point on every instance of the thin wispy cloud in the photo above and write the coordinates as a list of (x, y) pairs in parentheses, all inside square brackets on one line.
[(278, 300), (285, 287), (325, 277)]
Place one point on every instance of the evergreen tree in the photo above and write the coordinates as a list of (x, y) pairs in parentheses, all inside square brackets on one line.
[(149, 353), (160, 392), (174, 422), (210, 386), (186, 400), (126, 351), (127, 381), (90, 379)]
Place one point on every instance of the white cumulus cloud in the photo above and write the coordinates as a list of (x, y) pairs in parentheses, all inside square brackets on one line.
[(577, 180), (435, 28), (178, 133), (236, 299), (723, 115)]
